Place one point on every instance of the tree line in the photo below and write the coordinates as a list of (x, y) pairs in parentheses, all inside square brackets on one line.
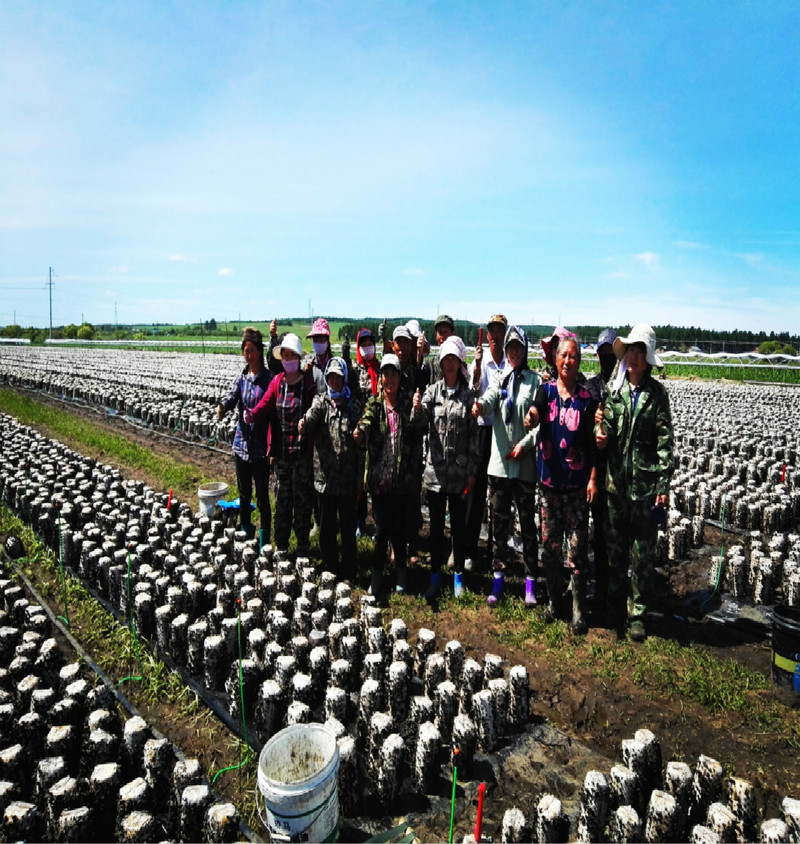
[(675, 338), (672, 337)]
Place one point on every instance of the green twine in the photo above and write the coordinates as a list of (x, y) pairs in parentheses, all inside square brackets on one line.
[(452, 802), (241, 702), (132, 626)]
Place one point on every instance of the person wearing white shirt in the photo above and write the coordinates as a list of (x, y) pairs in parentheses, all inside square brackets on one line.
[(485, 370)]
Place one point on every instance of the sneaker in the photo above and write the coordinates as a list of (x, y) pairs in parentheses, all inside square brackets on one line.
[(281, 554), (498, 565), (468, 564), (637, 631)]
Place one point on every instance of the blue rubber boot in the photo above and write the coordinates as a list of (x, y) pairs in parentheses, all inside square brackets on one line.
[(497, 590), (458, 584), (433, 587)]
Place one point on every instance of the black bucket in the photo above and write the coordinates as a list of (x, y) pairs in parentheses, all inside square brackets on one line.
[(786, 654)]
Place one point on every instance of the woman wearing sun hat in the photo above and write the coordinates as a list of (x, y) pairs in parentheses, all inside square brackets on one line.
[(330, 422), (287, 399), (512, 470), (549, 346), (391, 442), (636, 434), (564, 411), (445, 413), (320, 336)]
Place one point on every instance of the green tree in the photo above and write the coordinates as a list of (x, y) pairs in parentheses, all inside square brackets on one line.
[(71, 331), (86, 331), (12, 331)]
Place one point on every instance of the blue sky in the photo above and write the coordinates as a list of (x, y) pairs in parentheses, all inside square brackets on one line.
[(583, 162)]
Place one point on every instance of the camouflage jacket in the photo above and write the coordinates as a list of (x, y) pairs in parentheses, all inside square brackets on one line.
[(452, 437), (376, 428), (337, 458), (639, 457)]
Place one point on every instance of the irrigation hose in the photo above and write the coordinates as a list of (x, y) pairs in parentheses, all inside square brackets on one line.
[(241, 700), (65, 617), (721, 558), (132, 626)]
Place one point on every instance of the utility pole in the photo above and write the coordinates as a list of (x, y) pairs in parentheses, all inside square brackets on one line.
[(50, 285)]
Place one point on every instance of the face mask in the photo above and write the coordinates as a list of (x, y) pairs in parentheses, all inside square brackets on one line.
[(368, 352), (320, 348), (291, 365)]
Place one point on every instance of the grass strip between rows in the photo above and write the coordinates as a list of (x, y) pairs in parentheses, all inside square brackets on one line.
[(82, 435)]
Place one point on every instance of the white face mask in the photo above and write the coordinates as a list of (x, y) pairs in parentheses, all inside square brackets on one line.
[(368, 352), (320, 348), (291, 365)]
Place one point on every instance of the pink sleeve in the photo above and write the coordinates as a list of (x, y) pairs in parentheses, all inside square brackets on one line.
[(269, 399)]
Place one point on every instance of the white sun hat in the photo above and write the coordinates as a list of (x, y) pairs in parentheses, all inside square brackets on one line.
[(291, 342), (640, 333)]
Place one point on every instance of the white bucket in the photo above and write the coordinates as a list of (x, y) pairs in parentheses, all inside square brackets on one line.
[(297, 772), (209, 494)]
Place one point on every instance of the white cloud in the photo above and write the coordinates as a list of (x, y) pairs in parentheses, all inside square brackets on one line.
[(225, 271), (689, 244), (752, 259), (122, 268), (649, 259), (181, 259)]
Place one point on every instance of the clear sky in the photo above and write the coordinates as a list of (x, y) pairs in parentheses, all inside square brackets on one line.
[(562, 162)]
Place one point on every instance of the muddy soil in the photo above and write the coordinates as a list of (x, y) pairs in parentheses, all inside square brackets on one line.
[(579, 719)]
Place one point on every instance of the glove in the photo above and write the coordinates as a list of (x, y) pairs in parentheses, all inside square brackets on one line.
[(346, 348), (247, 415), (382, 330), (220, 412)]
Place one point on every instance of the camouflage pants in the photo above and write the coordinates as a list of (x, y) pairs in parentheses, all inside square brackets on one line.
[(631, 537), (565, 518), (503, 492), (294, 501)]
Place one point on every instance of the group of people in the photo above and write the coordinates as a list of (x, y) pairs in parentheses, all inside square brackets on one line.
[(414, 421)]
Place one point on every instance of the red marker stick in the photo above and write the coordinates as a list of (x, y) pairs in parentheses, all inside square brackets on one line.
[(479, 818), (783, 473), (480, 336), (169, 500)]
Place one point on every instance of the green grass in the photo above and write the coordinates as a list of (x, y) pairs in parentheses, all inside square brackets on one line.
[(110, 644), (112, 448), (763, 372)]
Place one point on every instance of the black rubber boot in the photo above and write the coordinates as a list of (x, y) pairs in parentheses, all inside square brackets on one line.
[(578, 583)]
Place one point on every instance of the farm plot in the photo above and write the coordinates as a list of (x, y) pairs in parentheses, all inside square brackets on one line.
[(77, 762), (169, 391), (313, 653), (767, 484)]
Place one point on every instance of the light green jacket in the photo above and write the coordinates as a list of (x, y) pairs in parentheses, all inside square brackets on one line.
[(506, 435)]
